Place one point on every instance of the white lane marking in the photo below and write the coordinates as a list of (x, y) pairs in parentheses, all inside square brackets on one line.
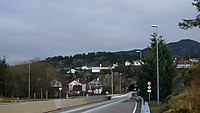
[(135, 107), (117, 100), (104, 106), (89, 106)]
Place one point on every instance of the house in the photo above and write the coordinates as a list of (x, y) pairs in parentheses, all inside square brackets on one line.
[(134, 63), (74, 83), (137, 63), (78, 86), (97, 69), (183, 64), (127, 63), (55, 83), (96, 86), (86, 68), (195, 60), (114, 66), (73, 71)]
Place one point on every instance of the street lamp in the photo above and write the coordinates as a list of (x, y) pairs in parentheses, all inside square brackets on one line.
[(120, 83), (140, 54), (29, 82), (112, 81), (156, 30)]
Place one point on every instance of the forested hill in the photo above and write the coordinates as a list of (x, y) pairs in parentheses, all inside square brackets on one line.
[(178, 49), (90, 59)]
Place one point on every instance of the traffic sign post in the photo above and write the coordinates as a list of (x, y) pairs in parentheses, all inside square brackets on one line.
[(60, 92), (149, 89), (149, 83)]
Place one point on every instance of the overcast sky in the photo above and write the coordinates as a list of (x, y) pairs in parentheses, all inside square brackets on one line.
[(46, 28)]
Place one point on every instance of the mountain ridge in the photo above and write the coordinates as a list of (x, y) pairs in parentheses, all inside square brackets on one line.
[(180, 48)]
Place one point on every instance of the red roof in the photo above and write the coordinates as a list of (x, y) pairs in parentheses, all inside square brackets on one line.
[(183, 62), (137, 61)]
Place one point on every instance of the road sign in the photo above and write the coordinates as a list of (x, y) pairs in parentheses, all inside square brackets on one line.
[(149, 87), (84, 87), (60, 88), (149, 91), (149, 83)]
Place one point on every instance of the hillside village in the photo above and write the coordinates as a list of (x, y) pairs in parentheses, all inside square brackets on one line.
[(96, 85)]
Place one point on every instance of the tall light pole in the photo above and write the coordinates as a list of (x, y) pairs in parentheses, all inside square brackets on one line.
[(29, 82), (112, 81), (140, 54), (158, 86), (120, 83)]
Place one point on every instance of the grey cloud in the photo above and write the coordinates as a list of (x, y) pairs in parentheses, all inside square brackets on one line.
[(66, 27)]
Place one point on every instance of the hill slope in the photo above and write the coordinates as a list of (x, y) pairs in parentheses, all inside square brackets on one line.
[(178, 49)]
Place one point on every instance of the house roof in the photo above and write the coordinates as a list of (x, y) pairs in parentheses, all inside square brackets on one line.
[(183, 62), (137, 61), (75, 82), (101, 66)]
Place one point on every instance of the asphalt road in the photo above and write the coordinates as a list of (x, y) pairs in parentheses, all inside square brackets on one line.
[(120, 105)]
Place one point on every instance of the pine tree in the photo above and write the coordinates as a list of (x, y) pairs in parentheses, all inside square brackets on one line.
[(191, 23), (3, 74), (148, 70)]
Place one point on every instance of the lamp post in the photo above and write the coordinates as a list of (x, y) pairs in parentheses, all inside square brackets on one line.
[(29, 82), (140, 54), (120, 83), (158, 87), (112, 81)]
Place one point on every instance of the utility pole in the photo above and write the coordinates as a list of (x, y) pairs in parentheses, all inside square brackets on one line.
[(29, 82), (120, 83), (112, 81)]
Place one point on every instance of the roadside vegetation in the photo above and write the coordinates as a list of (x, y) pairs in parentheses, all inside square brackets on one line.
[(188, 101)]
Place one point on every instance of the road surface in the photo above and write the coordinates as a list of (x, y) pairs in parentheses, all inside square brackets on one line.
[(119, 105)]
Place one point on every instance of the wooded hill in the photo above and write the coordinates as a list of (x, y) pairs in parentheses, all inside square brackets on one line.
[(184, 48)]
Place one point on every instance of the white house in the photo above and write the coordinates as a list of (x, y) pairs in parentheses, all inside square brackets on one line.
[(71, 71), (96, 85), (127, 63), (195, 60), (55, 83), (97, 69), (86, 68), (183, 64), (74, 83), (114, 66), (137, 63), (134, 63)]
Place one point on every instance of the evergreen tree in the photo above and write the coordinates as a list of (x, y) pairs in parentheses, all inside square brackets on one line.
[(148, 70), (3, 73), (191, 23)]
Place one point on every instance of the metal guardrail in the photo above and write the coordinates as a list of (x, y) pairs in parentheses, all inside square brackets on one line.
[(144, 105)]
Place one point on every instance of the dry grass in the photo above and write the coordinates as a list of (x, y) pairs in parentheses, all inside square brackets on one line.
[(4, 100), (187, 102)]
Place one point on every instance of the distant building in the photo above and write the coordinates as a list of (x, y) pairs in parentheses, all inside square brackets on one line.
[(134, 63), (183, 64), (78, 87), (96, 86), (74, 83), (137, 62), (127, 63), (195, 60), (55, 83), (73, 71), (97, 69), (86, 68)]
